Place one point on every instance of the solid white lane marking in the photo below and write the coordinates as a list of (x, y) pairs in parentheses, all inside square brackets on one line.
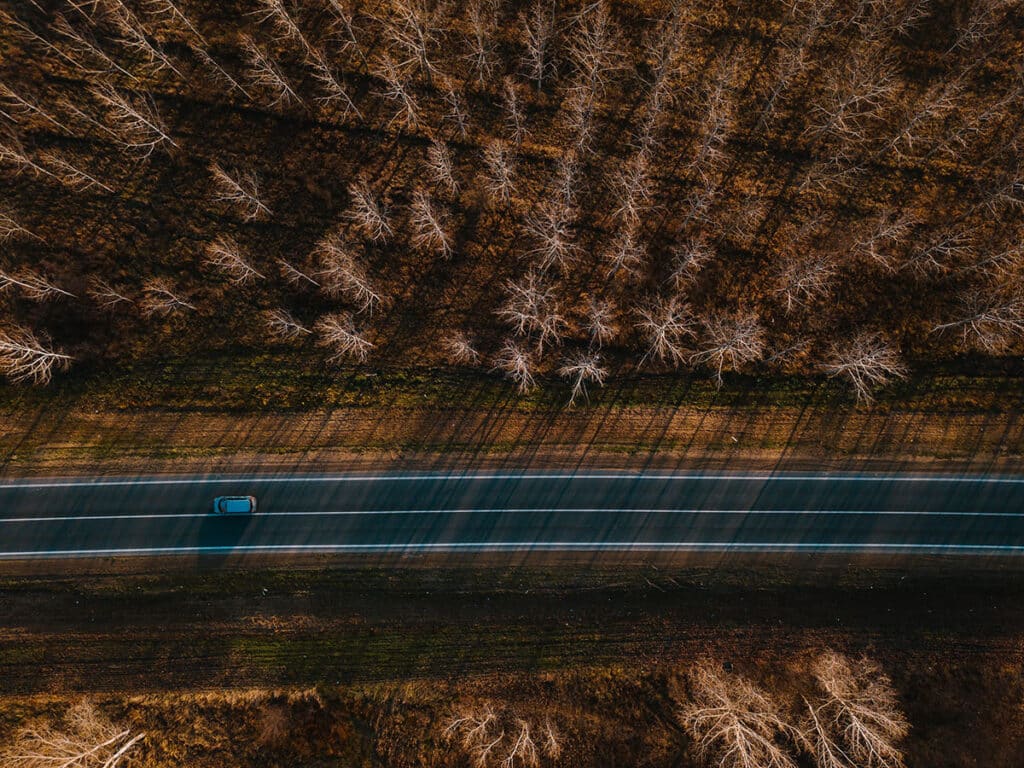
[(503, 510), (523, 546), (460, 478)]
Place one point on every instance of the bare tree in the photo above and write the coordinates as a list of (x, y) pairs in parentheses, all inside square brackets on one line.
[(788, 357), (413, 29), (80, 47), (730, 341), (334, 90), (130, 33), (645, 136), (338, 334), (578, 110), (502, 739), (168, 11), (241, 190), (70, 175), (22, 31), (932, 108), (688, 259), (369, 213), (538, 26), (745, 219), (11, 229), (982, 21), (341, 275), (999, 194), (429, 225), (717, 121), (581, 368), (868, 361), (500, 177), (856, 91), (880, 22), (219, 73), (286, 26), (858, 722), (625, 253), (288, 29), (828, 177), (17, 107), (664, 324), (342, 28), (134, 122), (24, 358), (594, 45), (601, 324), (566, 183), (523, 750), (880, 237), (804, 278), (941, 252), (664, 50), (13, 152), (1001, 262), (482, 48), (550, 228), (515, 362), (31, 284), (283, 327), (631, 190), (987, 320), (397, 89), (477, 727), (226, 255), (552, 744), (456, 114), (266, 75), (106, 295), (295, 276), (460, 349), (440, 166), (532, 308), (160, 298), (86, 740), (472, 723), (733, 723), (515, 119)]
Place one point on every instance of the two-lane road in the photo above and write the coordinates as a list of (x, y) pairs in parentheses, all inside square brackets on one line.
[(480, 512)]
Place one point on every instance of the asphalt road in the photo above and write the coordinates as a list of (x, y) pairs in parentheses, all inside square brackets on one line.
[(503, 512)]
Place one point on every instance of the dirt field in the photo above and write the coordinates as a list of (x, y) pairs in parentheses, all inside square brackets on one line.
[(391, 652), (130, 426)]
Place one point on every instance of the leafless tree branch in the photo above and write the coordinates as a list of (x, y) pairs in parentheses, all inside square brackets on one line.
[(868, 362), (339, 335), (225, 255), (283, 327), (160, 298), (240, 190), (369, 213), (24, 358), (430, 225), (582, 368)]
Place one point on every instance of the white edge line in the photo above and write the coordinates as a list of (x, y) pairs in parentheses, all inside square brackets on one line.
[(503, 510), (522, 546), (462, 477)]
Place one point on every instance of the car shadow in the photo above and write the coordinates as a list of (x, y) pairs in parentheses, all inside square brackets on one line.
[(219, 537)]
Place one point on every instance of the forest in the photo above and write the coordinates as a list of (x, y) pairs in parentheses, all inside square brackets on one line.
[(546, 190)]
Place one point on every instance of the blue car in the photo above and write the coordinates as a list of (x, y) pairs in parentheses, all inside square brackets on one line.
[(234, 505)]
